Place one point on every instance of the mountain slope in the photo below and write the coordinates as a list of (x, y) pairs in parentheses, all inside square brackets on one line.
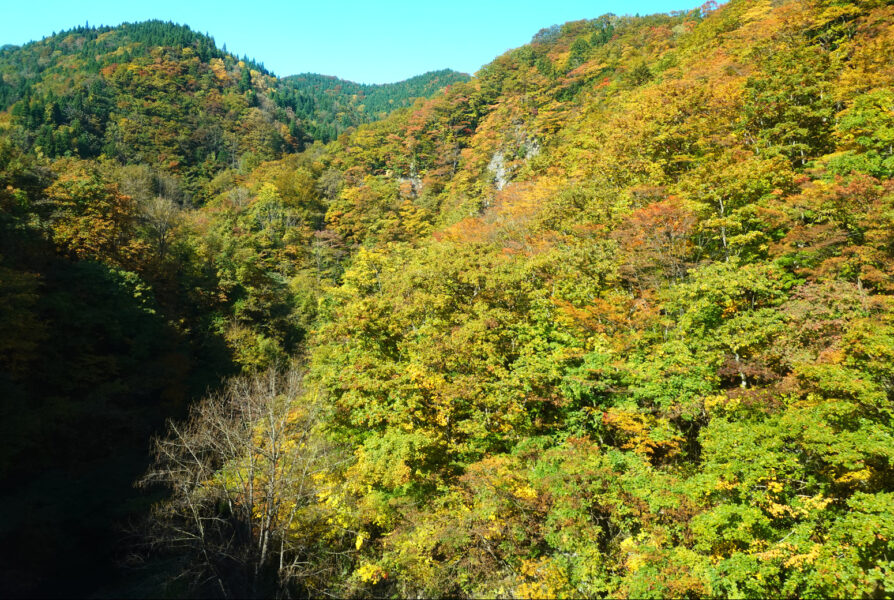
[(329, 106), (161, 94), (619, 315), (150, 92), (112, 320), (612, 318)]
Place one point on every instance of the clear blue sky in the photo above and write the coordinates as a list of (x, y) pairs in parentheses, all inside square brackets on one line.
[(366, 41)]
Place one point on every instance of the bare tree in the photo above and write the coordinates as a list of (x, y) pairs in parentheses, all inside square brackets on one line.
[(243, 512), (161, 215)]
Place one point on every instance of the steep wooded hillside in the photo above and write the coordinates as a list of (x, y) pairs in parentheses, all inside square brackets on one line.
[(611, 319), (161, 94), (618, 322), (111, 318)]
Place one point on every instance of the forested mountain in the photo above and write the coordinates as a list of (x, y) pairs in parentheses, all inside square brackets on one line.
[(153, 93), (328, 106), (613, 318), (109, 319), (160, 94)]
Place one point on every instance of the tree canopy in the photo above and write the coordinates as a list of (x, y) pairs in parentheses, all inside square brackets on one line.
[(612, 318)]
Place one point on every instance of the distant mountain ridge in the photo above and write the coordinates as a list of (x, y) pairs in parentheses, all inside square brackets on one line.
[(332, 105), (160, 93)]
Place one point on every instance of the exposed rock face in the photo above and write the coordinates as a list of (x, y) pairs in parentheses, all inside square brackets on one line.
[(532, 148), (497, 166), (413, 181), (502, 170)]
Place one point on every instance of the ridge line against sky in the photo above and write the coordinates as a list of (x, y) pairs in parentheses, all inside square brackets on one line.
[(364, 42)]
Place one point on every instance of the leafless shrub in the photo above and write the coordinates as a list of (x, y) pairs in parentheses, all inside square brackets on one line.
[(243, 511)]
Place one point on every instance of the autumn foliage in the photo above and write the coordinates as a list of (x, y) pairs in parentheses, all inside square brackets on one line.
[(613, 318)]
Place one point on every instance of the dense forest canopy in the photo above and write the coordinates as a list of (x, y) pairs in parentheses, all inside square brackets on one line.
[(329, 106), (612, 318), (161, 94)]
